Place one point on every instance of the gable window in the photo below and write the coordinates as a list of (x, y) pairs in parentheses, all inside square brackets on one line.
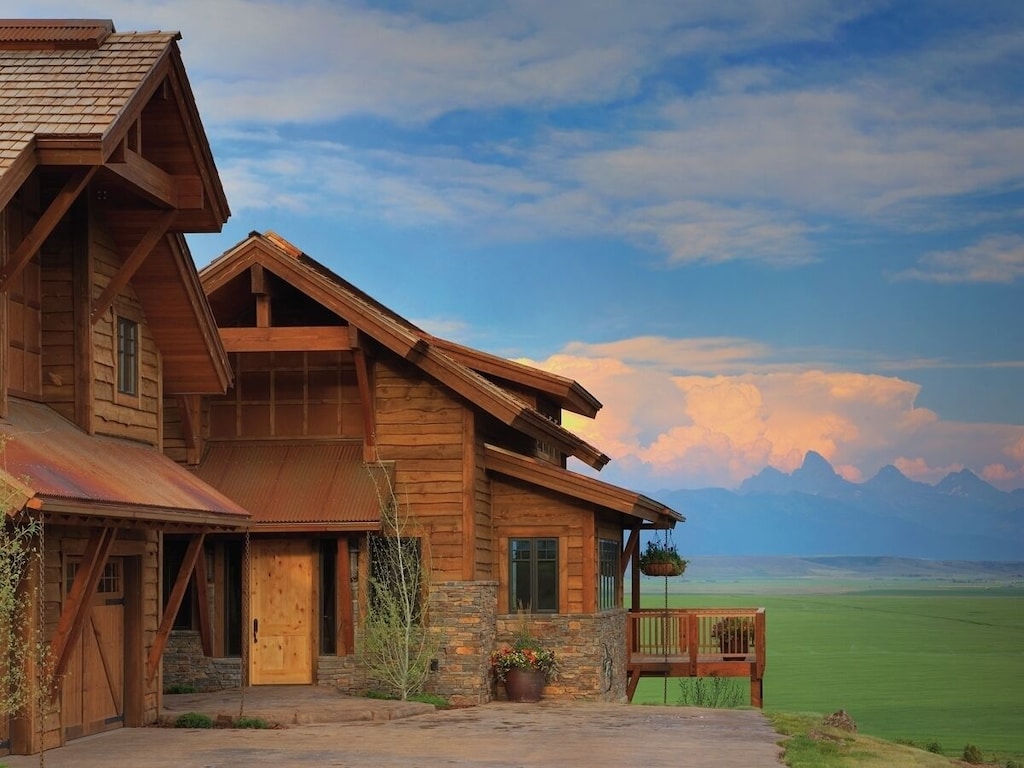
[(607, 575), (533, 580), (127, 356)]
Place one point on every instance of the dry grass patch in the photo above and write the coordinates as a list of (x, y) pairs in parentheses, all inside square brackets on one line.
[(810, 744)]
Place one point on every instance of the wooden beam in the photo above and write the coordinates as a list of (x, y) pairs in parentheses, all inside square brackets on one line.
[(47, 222), (65, 151), (346, 629), (188, 564), (635, 572), (76, 608), (191, 417), (330, 338), (630, 551), (258, 280), (131, 265), (203, 606), (366, 401), (155, 184)]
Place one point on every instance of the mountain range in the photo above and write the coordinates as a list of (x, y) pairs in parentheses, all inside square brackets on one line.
[(814, 512)]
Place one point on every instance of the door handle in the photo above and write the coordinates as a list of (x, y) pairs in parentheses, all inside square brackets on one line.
[(255, 630)]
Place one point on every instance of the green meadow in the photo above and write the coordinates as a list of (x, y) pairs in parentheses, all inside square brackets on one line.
[(929, 662)]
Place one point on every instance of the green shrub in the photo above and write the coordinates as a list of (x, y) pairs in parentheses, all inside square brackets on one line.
[(973, 755), (180, 688), (428, 698), (711, 692), (934, 746), (193, 720), (251, 722)]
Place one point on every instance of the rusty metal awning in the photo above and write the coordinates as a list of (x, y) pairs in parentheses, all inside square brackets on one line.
[(55, 467), (299, 486)]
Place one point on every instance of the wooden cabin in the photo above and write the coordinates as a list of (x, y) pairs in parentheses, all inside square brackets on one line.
[(334, 394), (103, 165)]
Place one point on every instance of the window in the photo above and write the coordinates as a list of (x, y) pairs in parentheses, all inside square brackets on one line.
[(127, 356), (533, 581), (328, 596), (607, 575), (396, 579), (233, 598)]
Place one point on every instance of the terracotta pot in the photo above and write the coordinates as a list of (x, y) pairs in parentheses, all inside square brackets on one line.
[(661, 569), (524, 685)]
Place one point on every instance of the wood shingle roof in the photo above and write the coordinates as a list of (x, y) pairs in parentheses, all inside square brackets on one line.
[(73, 93)]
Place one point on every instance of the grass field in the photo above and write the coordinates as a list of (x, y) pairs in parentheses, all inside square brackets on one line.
[(925, 662)]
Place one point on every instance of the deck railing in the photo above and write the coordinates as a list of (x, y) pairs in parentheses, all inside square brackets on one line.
[(698, 642)]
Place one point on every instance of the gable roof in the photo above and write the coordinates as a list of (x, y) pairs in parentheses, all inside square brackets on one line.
[(578, 486), (70, 91), (394, 332), (569, 394), (55, 467), (75, 94)]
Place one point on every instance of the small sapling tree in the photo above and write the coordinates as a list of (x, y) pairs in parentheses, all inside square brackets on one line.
[(397, 644), (20, 551)]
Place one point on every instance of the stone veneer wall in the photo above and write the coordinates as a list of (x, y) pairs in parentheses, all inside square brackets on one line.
[(590, 650), (185, 665), (463, 614), (345, 673)]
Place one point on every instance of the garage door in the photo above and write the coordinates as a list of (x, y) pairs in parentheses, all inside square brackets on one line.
[(93, 685)]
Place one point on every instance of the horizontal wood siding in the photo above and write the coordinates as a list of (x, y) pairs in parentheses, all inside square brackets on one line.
[(485, 559), (136, 418), (524, 511), (420, 428), (58, 321)]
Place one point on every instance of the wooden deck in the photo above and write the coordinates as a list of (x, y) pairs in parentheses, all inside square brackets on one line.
[(697, 642)]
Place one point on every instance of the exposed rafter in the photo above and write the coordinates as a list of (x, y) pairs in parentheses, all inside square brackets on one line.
[(47, 222), (131, 265)]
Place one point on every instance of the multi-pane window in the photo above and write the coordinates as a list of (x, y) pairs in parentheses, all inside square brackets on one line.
[(109, 583), (533, 577), (127, 356), (607, 575)]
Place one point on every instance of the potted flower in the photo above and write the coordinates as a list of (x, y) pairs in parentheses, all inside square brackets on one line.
[(524, 668), (661, 559), (734, 634)]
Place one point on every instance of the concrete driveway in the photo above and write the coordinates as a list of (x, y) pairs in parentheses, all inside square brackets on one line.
[(494, 735)]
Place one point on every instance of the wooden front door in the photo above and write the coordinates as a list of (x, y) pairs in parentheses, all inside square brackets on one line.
[(93, 685), (281, 584)]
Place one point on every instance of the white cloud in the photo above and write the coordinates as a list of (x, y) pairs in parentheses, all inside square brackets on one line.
[(993, 259), (694, 430)]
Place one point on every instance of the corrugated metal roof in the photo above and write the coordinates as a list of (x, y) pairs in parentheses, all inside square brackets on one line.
[(56, 461), (322, 485)]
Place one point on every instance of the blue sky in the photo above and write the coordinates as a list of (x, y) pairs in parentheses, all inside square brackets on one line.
[(750, 229)]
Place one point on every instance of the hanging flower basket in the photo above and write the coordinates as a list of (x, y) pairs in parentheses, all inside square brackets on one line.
[(663, 569), (661, 559)]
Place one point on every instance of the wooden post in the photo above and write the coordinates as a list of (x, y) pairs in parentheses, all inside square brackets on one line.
[(201, 586)]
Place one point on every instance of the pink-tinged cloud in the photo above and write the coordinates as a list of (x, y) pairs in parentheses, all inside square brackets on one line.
[(665, 430)]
